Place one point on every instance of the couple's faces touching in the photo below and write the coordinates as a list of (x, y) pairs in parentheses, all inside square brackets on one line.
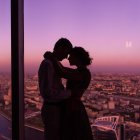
[(72, 59), (62, 54), (65, 54)]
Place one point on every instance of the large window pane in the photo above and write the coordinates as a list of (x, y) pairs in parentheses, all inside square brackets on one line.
[(109, 31), (5, 70)]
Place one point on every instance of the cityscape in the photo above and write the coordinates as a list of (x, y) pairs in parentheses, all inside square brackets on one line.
[(109, 96), (109, 31)]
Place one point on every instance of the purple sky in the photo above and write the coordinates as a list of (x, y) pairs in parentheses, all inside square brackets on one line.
[(108, 29)]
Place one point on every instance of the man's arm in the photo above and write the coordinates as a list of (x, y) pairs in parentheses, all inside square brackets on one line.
[(59, 93), (50, 91)]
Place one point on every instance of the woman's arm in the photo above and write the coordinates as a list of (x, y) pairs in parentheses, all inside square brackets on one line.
[(69, 73), (65, 72)]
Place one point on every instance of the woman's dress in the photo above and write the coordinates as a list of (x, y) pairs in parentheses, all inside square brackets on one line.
[(76, 124)]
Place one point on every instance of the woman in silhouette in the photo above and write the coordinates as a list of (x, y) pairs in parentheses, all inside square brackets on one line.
[(76, 124)]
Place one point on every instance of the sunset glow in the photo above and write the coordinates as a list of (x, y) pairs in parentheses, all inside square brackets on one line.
[(108, 29)]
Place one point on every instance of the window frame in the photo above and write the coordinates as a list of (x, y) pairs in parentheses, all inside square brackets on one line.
[(17, 68)]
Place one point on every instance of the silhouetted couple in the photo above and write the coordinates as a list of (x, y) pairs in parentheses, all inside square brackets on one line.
[(63, 113)]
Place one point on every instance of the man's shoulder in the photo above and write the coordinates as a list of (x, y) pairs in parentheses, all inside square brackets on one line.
[(45, 66), (46, 62)]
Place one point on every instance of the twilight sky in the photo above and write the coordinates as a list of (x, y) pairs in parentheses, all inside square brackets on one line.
[(108, 29)]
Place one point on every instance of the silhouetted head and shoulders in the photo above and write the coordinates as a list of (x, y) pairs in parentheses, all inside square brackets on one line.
[(79, 79), (61, 49)]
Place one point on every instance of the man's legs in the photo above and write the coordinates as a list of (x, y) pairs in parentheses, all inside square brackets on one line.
[(51, 119)]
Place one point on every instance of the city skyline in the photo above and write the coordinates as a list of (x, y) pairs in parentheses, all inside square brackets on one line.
[(109, 30), (108, 96)]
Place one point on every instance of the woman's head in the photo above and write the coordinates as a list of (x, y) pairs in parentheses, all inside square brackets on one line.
[(79, 56)]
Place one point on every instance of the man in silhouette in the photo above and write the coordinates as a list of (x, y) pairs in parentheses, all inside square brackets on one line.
[(52, 90)]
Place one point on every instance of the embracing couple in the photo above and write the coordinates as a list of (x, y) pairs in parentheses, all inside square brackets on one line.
[(63, 113)]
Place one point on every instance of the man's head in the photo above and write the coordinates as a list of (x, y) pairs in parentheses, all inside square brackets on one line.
[(62, 48)]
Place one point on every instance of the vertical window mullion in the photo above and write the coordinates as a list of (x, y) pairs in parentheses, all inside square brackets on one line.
[(17, 68)]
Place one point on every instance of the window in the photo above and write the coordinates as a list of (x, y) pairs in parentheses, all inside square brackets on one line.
[(107, 30), (5, 71)]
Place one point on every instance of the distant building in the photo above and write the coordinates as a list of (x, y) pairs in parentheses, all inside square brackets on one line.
[(137, 116), (105, 106), (111, 104)]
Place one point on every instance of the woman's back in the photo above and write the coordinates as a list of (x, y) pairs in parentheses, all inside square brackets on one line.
[(76, 123), (78, 86)]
